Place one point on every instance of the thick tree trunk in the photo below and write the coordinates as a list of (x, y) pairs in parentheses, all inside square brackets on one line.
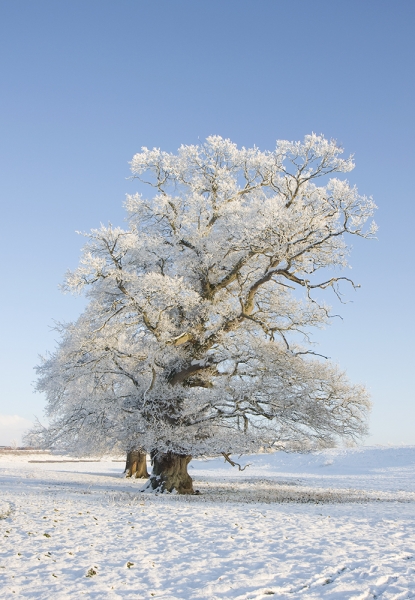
[(136, 465), (170, 473)]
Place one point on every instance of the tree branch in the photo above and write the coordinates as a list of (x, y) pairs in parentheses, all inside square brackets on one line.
[(233, 463)]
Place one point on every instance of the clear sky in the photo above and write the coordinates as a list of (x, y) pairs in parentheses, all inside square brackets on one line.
[(85, 84)]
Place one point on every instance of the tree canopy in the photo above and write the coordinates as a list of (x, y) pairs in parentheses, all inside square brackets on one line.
[(196, 337)]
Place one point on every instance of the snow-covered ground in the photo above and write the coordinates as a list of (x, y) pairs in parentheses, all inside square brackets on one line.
[(336, 524)]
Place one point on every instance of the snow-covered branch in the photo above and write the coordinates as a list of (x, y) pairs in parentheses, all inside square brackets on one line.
[(191, 339)]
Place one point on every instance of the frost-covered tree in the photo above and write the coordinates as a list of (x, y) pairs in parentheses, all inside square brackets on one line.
[(196, 340)]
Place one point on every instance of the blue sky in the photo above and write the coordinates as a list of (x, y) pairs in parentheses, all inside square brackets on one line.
[(85, 84)]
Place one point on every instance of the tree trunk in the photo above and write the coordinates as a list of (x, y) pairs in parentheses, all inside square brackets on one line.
[(136, 465), (170, 473)]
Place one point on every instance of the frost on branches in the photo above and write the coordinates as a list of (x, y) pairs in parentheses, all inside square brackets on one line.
[(196, 337)]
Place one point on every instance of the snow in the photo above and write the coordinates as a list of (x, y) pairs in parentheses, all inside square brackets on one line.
[(336, 524)]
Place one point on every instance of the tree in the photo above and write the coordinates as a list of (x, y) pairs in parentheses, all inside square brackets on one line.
[(136, 464), (196, 338)]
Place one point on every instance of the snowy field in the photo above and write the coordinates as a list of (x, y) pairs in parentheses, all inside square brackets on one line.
[(338, 524)]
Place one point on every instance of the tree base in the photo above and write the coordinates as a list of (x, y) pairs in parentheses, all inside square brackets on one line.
[(136, 465), (170, 474)]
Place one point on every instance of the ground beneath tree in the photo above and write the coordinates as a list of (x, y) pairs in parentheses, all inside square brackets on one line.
[(337, 524)]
